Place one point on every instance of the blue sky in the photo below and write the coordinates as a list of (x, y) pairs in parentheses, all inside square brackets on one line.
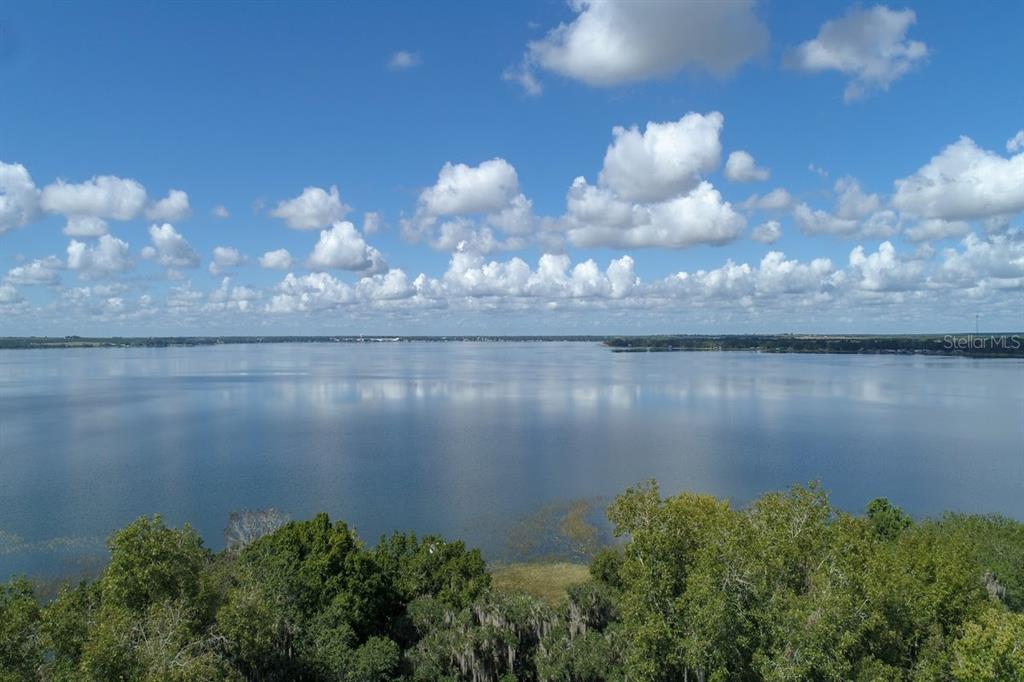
[(889, 221)]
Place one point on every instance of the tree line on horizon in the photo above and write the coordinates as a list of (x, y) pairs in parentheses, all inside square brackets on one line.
[(786, 588)]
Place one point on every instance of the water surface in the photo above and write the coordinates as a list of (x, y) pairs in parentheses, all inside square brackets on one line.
[(463, 438)]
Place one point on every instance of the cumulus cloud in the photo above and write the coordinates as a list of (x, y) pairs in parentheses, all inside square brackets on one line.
[(85, 226), (650, 192), (740, 167), (173, 207), (220, 211), (884, 270), (767, 233), (612, 42), (776, 200), (9, 297), (813, 222), (742, 284), (231, 297), (699, 217), (169, 248), (391, 286), (868, 45), (225, 257), (979, 273), (665, 160), (19, 198), (462, 189), (469, 206), (313, 209), (934, 228), (342, 248), (998, 257), (108, 256), (40, 271), (555, 277), (279, 259), (857, 213), (403, 60), (315, 291), (104, 196), (1016, 142), (963, 182), (852, 201)]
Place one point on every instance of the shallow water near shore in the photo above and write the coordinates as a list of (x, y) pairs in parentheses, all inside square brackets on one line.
[(472, 439)]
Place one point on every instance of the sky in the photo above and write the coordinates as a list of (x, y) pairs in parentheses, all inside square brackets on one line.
[(589, 167)]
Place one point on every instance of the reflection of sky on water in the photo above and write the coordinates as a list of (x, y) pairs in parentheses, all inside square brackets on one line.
[(436, 437)]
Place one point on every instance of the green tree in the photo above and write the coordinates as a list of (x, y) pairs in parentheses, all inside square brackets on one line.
[(151, 563), (21, 653), (991, 649), (887, 520)]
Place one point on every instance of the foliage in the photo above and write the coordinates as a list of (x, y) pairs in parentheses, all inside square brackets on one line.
[(20, 650), (787, 588)]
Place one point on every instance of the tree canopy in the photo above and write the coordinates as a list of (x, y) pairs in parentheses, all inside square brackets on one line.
[(786, 588)]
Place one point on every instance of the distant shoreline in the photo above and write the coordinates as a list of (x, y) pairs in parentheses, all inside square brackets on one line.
[(1000, 345)]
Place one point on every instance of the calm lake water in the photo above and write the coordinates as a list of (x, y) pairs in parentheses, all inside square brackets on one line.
[(463, 438)]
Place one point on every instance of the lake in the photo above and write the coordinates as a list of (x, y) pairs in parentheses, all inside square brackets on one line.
[(465, 438)]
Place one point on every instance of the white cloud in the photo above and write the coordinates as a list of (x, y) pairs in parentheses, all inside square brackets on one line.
[(279, 259), (9, 296), (225, 257), (857, 214), (740, 167), (343, 248), (935, 228), (1016, 142), (813, 222), (851, 200), (595, 218), (469, 275), (40, 271), (173, 207), (999, 257), (403, 60), (963, 182), (390, 286), (170, 249), (884, 270), (108, 256), (85, 226), (767, 233), (104, 196), (372, 223), (776, 200), (869, 45), (743, 284), (467, 235), (19, 198), (817, 170), (462, 189), (612, 42), (220, 211), (524, 76), (650, 192), (315, 291), (475, 201), (775, 274), (665, 160), (311, 210), (230, 297)]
